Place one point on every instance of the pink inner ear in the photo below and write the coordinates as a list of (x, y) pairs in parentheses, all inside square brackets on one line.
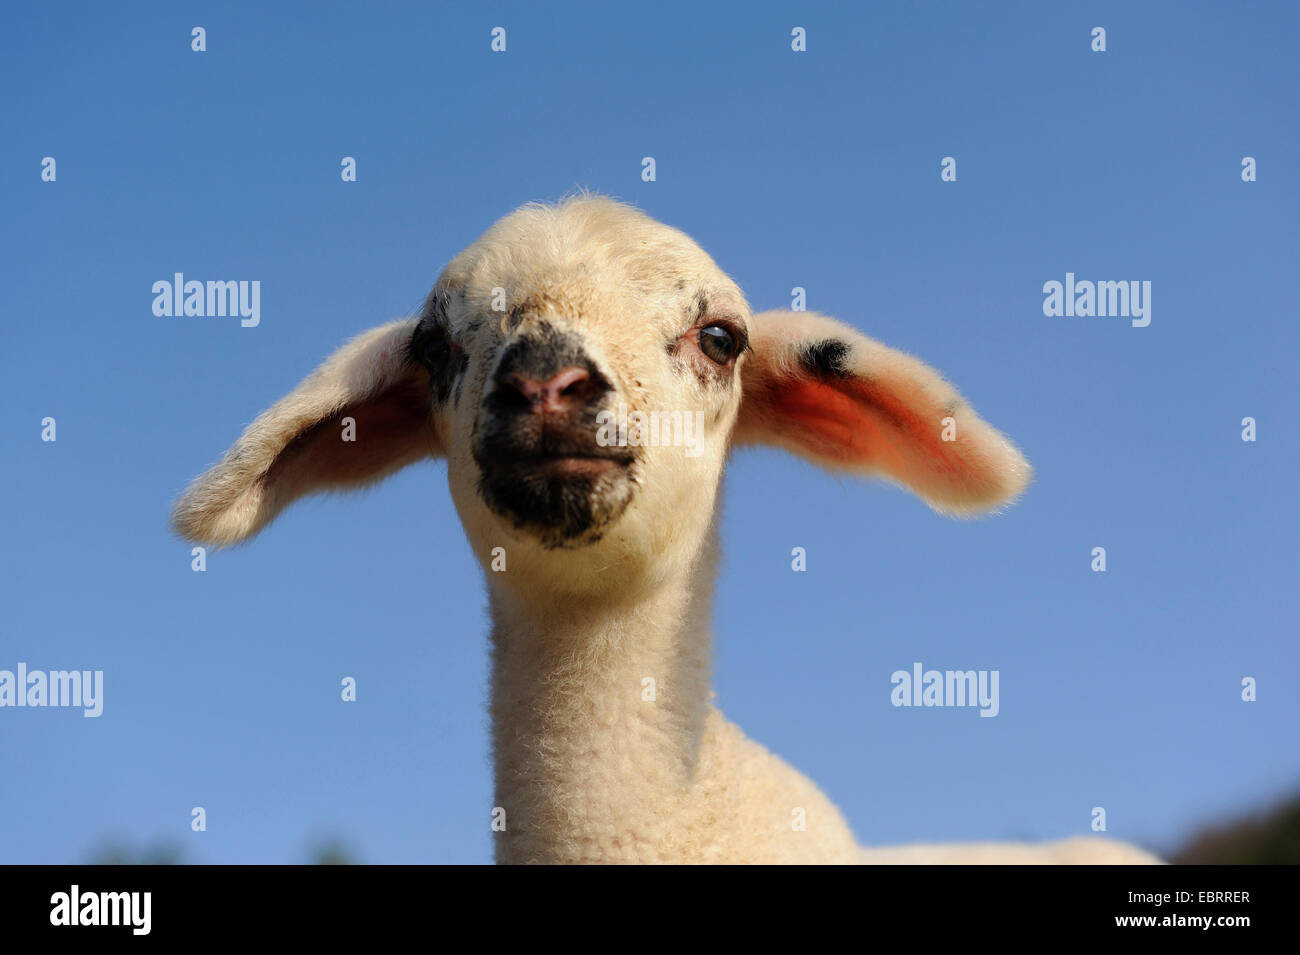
[(859, 424), (392, 430)]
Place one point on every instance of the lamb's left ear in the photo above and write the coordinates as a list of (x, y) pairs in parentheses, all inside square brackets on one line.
[(304, 442), (830, 394)]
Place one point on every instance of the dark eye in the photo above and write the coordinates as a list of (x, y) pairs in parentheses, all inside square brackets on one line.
[(718, 343), (431, 348)]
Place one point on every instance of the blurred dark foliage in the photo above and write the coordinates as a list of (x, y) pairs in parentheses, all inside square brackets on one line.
[(1266, 838), (121, 852), (1271, 837), (332, 852)]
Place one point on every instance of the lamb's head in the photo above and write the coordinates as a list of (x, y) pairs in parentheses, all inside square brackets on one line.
[(584, 365), (585, 370)]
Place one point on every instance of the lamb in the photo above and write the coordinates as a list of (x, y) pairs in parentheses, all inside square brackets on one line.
[(556, 315)]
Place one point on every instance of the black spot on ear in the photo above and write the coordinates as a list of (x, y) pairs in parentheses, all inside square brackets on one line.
[(826, 359)]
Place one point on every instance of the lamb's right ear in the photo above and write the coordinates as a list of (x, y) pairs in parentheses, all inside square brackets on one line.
[(298, 446)]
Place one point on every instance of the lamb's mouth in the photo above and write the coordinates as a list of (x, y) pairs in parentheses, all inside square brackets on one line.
[(563, 466), (565, 497)]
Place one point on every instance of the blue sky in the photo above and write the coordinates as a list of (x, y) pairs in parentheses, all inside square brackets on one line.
[(816, 169)]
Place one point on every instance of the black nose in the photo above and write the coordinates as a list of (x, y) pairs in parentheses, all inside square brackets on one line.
[(547, 373)]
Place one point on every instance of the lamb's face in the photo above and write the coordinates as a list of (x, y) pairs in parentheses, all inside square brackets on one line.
[(581, 368), (584, 362)]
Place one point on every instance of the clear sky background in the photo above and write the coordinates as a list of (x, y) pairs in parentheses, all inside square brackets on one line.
[(817, 169)]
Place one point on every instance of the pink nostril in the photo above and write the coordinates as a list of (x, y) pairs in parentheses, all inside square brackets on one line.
[(562, 382), (548, 395)]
